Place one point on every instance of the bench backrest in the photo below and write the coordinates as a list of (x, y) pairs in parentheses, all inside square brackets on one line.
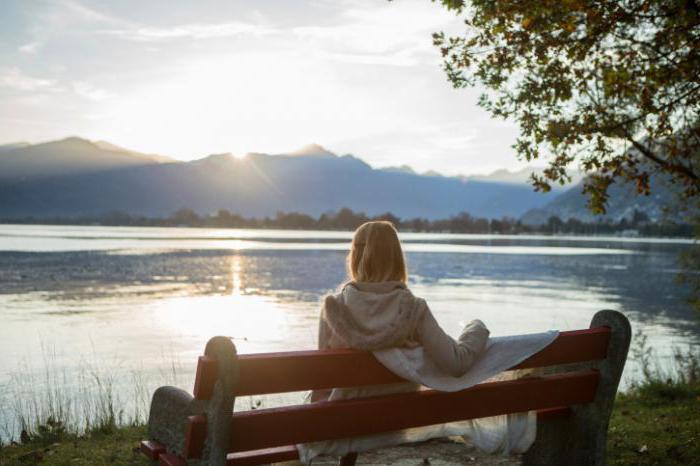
[(267, 373)]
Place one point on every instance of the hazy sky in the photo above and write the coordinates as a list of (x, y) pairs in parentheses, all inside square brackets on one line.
[(190, 78)]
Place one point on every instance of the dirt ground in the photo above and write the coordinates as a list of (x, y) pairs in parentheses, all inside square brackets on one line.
[(439, 452)]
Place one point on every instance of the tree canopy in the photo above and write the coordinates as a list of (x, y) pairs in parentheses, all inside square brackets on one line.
[(608, 86)]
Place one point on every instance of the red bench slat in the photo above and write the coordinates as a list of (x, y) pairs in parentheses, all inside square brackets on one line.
[(306, 370), (570, 347), (554, 413), (349, 418), (205, 377), (168, 459), (265, 373), (290, 452), (278, 454), (195, 436), (264, 456), (152, 449)]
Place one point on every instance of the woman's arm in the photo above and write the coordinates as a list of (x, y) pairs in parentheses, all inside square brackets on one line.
[(324, 333), (324, 336), (453, 357)]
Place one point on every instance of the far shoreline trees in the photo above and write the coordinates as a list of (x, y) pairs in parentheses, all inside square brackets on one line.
[(637, 224)]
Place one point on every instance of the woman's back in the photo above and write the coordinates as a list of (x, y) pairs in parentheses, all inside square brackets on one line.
[(374, 316)]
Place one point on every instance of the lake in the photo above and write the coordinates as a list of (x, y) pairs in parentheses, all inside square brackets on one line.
[(84, 309)]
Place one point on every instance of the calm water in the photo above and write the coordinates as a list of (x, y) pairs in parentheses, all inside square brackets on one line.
[(137, 305)]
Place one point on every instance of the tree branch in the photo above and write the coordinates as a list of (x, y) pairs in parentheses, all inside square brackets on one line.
[(646, 152)]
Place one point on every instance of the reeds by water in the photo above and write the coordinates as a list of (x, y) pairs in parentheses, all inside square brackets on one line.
[(656, 380), (81, 398)]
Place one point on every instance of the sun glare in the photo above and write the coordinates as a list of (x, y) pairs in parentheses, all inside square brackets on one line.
[(236, 276), (254, 321)]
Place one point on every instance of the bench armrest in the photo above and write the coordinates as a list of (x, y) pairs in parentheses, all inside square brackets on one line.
[(167, 419)]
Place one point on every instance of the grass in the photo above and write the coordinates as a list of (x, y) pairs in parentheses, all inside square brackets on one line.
[(116, 447), (656, 424), (657, 420)]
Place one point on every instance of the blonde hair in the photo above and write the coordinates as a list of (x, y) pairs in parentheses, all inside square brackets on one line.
[(376, 254)]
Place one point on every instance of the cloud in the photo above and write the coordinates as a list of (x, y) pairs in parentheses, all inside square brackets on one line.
[(76, 17), (190, 31), (91, 92), (79, 11), (406, 57), (367, 33), (61, 18), (30, 47), (14, 78)]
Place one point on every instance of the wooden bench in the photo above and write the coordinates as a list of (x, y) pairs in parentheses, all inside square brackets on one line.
[(574, 400)]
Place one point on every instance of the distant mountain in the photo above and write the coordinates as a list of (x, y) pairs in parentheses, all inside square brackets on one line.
[(521, 176), (12, 146), (622, 203), (312, 150), (400, 169), (312, 180), (114, 148), (68, 156)]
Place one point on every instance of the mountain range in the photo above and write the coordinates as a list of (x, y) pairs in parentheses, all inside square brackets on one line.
[(623, 202), (77, 177)]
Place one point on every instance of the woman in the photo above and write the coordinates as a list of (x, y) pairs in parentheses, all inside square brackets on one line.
[(375, 311)]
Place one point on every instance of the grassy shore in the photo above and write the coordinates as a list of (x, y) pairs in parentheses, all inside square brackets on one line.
[(654, 423), (117, 446)]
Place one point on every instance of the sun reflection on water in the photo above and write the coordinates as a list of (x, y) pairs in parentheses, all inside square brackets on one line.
[(236, 276), (254, 321)]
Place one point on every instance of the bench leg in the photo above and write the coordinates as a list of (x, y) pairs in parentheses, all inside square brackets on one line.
[(348, 460), (581, 438), (220, 406)]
